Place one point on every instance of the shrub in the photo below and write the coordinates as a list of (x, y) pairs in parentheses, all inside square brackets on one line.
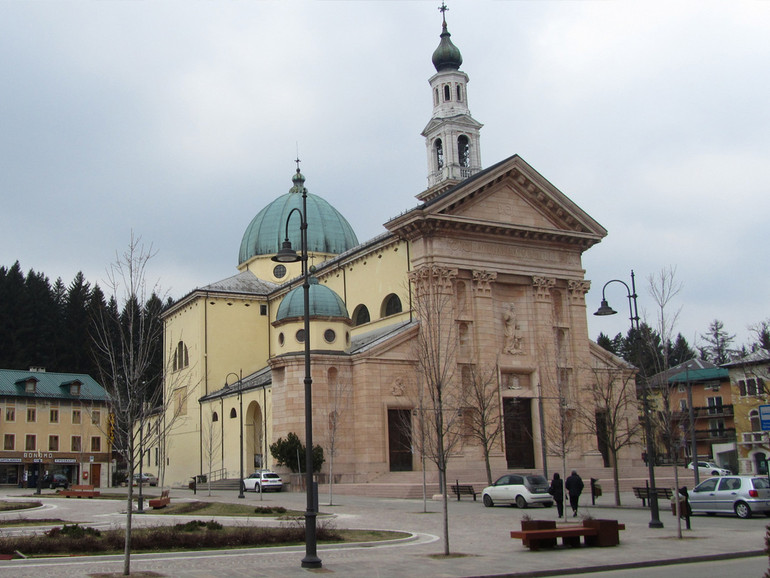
[(269, 510), (286, 452), (73, 531)]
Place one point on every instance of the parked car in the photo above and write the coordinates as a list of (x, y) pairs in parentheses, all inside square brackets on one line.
[(56, 481), (265, 479), (742, 495), (710, 469), (147, 479), (520, 489)]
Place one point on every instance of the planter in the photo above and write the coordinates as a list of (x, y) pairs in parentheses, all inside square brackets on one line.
[(607, 533), (539, 525)]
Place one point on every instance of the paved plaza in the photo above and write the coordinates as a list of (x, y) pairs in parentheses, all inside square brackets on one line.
[(479, 537)]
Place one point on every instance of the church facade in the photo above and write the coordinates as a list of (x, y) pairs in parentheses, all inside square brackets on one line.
[(501, 244)]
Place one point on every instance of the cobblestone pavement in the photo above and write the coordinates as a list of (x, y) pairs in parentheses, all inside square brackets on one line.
[(479, 537)]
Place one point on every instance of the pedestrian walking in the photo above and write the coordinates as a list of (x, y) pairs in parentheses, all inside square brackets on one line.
[(574, 486), (557, 491)]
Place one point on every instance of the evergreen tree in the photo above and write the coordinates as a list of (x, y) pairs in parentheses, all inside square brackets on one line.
[(680, 351), (717, 347), (77, 325)]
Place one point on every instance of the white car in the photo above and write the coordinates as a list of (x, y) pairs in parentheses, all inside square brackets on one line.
[(710, 469), (520, 489), (265, 479)]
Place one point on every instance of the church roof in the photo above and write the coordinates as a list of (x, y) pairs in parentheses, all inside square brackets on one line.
[(328, 231), (244, 282), (324, 302)]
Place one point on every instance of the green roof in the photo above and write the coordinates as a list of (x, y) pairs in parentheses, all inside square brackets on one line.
[(324, 302), (327, 231), (50, 385), (699, 375)]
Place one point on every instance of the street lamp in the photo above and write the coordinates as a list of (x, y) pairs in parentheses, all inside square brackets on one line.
[(289, 255), (605, 309), (239, 375)]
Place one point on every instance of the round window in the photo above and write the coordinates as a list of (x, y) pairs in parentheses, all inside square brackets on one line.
[(330, 336), (279, 271), (280, 339), (301, 336)]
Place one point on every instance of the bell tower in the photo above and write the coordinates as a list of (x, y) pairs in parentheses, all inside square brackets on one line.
[(452, 136)]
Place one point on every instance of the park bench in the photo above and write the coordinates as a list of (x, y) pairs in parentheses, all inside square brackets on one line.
[(644, 494), (162, 502), (80, 491), (595, 533), (463, 490)]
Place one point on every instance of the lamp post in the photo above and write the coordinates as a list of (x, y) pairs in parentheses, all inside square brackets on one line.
[(605, 309), (239, 375), (288, 255)]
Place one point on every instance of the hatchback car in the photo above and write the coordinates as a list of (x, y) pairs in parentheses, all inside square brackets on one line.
[(520, 489), (56, 481), (710, 469), (743, 495), (147, 479), (263, 480)]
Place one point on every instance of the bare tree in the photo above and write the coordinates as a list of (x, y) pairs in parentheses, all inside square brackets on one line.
[(210, 444), (125, 341), (435, 349), (481, 396), (338, 402), (612, 416)]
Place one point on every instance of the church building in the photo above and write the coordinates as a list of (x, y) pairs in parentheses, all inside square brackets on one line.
[(500, 244)]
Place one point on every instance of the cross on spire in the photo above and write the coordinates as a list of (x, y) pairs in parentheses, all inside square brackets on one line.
[(443, 8)]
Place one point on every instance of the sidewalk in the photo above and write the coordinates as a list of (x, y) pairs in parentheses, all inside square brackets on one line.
[(478, 535)]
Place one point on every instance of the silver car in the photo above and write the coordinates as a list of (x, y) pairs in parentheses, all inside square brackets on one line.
[(710, 469), (519, 489), (743, 495)]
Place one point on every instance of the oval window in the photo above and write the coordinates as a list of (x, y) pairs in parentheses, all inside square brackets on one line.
[(301, 336)]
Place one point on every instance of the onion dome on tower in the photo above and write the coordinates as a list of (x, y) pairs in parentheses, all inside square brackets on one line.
[(447, 56), (328, 231)]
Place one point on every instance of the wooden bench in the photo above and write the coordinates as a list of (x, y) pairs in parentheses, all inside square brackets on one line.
[(463, 490), (595, 532), (161, 502), (644, 494), (80, 491)]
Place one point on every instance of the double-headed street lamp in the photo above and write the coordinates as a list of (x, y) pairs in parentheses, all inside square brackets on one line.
[(289, 255), (605, 309), (239, 375)]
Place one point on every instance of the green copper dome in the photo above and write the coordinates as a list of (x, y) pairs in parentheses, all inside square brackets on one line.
[(327, 232), (447, 56), (324, 302)]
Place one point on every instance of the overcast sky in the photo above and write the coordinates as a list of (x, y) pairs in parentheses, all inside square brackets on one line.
[(180, 120)]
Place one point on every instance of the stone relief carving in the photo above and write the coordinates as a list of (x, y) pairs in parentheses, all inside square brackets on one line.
[(512, 331), (399, 387), (577, 290), (482, 282), (542, 286)]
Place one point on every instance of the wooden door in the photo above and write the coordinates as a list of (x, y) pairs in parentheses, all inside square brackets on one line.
[(95, 477), (519, 444)]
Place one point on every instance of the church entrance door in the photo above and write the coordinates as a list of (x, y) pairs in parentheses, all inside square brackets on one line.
[(519, 445), (400, 439)]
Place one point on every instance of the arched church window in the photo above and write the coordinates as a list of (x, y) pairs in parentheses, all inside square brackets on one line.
[(181, 356), (447, 92), (233, 413), (464, 148), (391, 305), (459, 93), (215, 416), (435, 97), (439, 154), (361, 315)]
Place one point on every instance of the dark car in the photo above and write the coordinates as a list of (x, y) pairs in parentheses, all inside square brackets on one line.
[(56, 481)]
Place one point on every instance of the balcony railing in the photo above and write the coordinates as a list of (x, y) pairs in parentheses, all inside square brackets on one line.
[(705, 412), (725, 434)]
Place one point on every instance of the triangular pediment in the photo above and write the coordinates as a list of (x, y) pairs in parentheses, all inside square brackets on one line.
[(508, 198)]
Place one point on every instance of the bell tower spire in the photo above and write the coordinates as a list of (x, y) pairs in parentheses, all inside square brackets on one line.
[(452, 137)]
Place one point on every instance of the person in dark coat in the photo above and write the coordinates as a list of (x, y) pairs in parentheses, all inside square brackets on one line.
[(557, 491), (574, 486)]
